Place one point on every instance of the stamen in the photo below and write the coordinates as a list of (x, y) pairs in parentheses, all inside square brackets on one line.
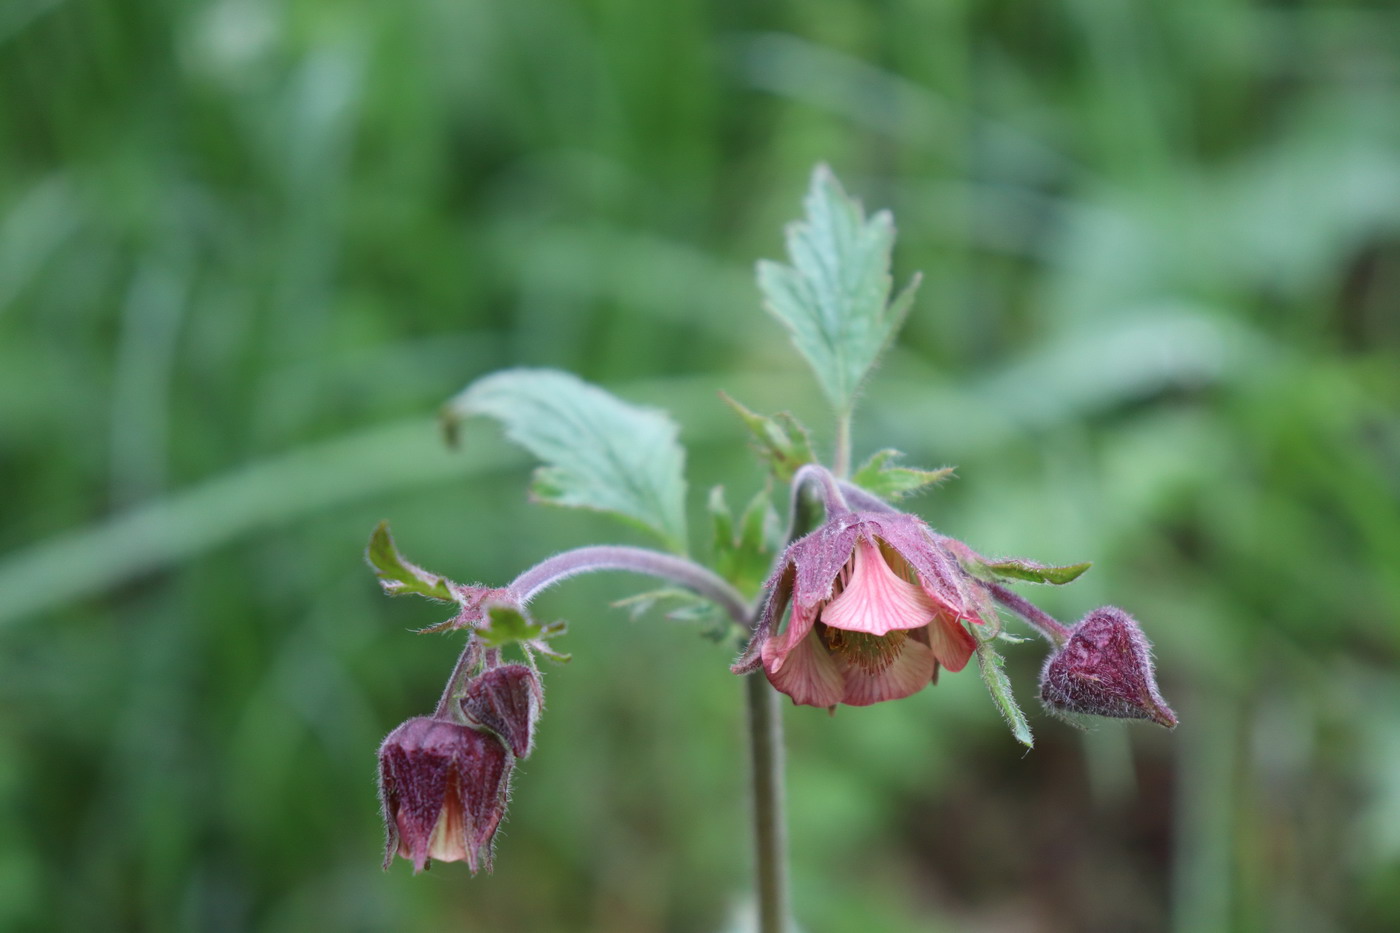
[(871, 653)]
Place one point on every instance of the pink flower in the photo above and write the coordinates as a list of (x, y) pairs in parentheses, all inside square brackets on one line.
[(877, 608), (443, 790)]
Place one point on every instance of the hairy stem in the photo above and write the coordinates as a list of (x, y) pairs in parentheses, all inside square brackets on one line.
[(678, 570), (865, 501), (832, 492), (1055, 631), (466, 664), (843, 444), (770, 830)]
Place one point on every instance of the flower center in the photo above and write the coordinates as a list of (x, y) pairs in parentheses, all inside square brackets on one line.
[(871, 653)]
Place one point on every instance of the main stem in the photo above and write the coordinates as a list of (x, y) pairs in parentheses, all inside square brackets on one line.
[(843, 444), (770, 831)]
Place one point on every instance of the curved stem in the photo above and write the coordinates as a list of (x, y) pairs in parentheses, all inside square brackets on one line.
[(865, 501), (1055, 631), (831, 488), (678, 570)]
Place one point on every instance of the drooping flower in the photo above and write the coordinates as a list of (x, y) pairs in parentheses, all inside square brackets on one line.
[(878, 606), (1105, 669), (442, 788)]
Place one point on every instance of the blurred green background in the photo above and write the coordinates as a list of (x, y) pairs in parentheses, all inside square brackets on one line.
[(248, 247)]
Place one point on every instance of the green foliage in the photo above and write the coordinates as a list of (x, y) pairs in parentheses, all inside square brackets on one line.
[(992, 666), (507, 626), (834, 299), (600, 452), (1027, 571), (888, 481), (245, 245), (744, 554), (399, 576), (780, 440)]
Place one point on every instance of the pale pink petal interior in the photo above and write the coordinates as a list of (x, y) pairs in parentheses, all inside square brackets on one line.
[(807, 674), (952, 644), (449, 835), (910, 672), (776, 648), (876, 601)]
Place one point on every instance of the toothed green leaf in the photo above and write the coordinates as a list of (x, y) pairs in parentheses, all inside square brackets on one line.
[(834, 298), (599, 452), (780, 440), (880, 476), (507, 625), (744, 555), (398, 576)]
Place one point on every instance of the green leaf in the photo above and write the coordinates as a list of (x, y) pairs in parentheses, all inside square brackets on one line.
[(781, 439), (399, 576), (1015, 568), (992, 666), (599, 451), (834, 298), (880, 476), (744, 556), (507, 625), (680, 605)]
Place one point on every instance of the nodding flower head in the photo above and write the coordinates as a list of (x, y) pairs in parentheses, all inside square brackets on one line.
[(1105, 669), (443, 790), (877, 607)]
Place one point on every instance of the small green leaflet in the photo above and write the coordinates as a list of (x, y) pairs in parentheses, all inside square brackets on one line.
[(834, 298), (781, 439), (507, 625), (399, 576), (1015, 568), (880, 476), (744, 556), (992, 667), (678, 605), (599, 452)]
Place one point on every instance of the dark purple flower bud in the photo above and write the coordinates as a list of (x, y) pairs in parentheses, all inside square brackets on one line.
[(506, 700), (1105, 669), (442, 787)]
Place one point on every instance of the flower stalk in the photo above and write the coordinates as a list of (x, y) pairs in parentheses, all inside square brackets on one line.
[(678, 570), (769, 814)]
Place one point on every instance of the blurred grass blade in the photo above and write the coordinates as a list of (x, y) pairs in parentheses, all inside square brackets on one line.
[(271, 492)]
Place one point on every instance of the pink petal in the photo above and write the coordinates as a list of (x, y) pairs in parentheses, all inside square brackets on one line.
[(775, 649), (910, 672), (876, 601), (807, 673), (951, 643)]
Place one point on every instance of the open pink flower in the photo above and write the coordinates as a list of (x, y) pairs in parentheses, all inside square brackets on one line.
[(877, 608)]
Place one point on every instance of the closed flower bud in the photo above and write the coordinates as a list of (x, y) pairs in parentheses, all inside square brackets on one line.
[(443, 790), (506, 701), (1105, 669)]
